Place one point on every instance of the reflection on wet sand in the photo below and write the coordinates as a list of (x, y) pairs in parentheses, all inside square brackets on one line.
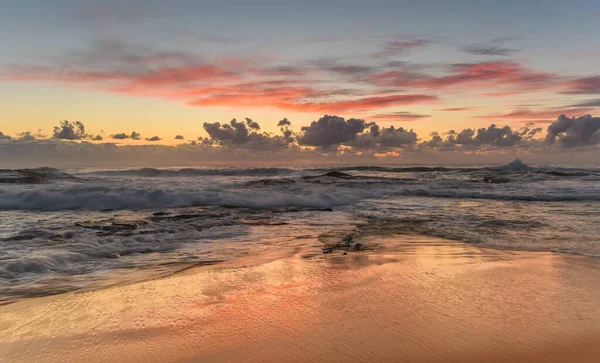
[(413, 299)]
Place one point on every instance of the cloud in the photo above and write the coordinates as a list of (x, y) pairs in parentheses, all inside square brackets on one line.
[(585, 85), (123, 136), (4, 136), (456, 109), (97, 138), (528, 114), (325, 86), (403, 47), (284, 123), (26, 136), (497, 73), (153, 138), (489, 50), (246, 135), (470, 139), (399, 116), (179, 137), (300, 100), (331, 131), (495, 47), (328, 139), (587, 103), (576, 131), (70, 131), (384, 139), (251, 124)]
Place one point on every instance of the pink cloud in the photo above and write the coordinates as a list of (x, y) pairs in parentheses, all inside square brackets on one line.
[(501, 73), (585, 85)]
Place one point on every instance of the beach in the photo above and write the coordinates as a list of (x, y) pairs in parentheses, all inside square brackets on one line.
[(413, 298)]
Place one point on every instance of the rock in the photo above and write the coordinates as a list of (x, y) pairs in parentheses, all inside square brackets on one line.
[(327, 250), (358, 247), (345, 253)]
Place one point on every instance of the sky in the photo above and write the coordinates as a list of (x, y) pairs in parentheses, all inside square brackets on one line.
[(139, 73)]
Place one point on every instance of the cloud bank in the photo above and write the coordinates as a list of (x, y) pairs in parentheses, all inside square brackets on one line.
[(329, 139)]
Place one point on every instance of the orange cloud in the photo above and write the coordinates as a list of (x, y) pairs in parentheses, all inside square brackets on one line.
[(539, 116), (292, 99)]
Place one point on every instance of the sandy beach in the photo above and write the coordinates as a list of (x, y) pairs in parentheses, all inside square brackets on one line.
[(414, 298)]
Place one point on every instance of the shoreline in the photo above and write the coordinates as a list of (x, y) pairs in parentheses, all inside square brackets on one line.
[(417, 299)]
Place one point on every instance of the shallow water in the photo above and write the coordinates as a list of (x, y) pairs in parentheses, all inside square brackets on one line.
[(62, 230)]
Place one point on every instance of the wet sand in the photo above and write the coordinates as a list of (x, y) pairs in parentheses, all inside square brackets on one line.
[(414, 299)]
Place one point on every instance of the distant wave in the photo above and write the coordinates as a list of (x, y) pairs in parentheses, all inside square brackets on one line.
[(190, 172), (34, 176)]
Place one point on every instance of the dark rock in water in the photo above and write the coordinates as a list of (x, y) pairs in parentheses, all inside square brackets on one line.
[(347, 240), (159, 214), (495, 179), (327, 250), (345, 253), (358, 247)]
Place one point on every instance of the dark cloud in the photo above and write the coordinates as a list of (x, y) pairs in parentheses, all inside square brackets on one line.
[(575, 131), (251, 124), (4, 137), (384, 139), (26, 136), (331, 131), (529, 131), (179, 137), (587, 103), (153, 138), (97, 138), (283, 123), (238, 134), (123, 136), (435, 142), (68, 130), (470, 139)]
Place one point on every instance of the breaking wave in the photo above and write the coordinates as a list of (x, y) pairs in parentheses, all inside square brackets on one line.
[(301, 194)]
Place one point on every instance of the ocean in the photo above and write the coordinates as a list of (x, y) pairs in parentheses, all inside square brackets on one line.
[(63, 230)]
